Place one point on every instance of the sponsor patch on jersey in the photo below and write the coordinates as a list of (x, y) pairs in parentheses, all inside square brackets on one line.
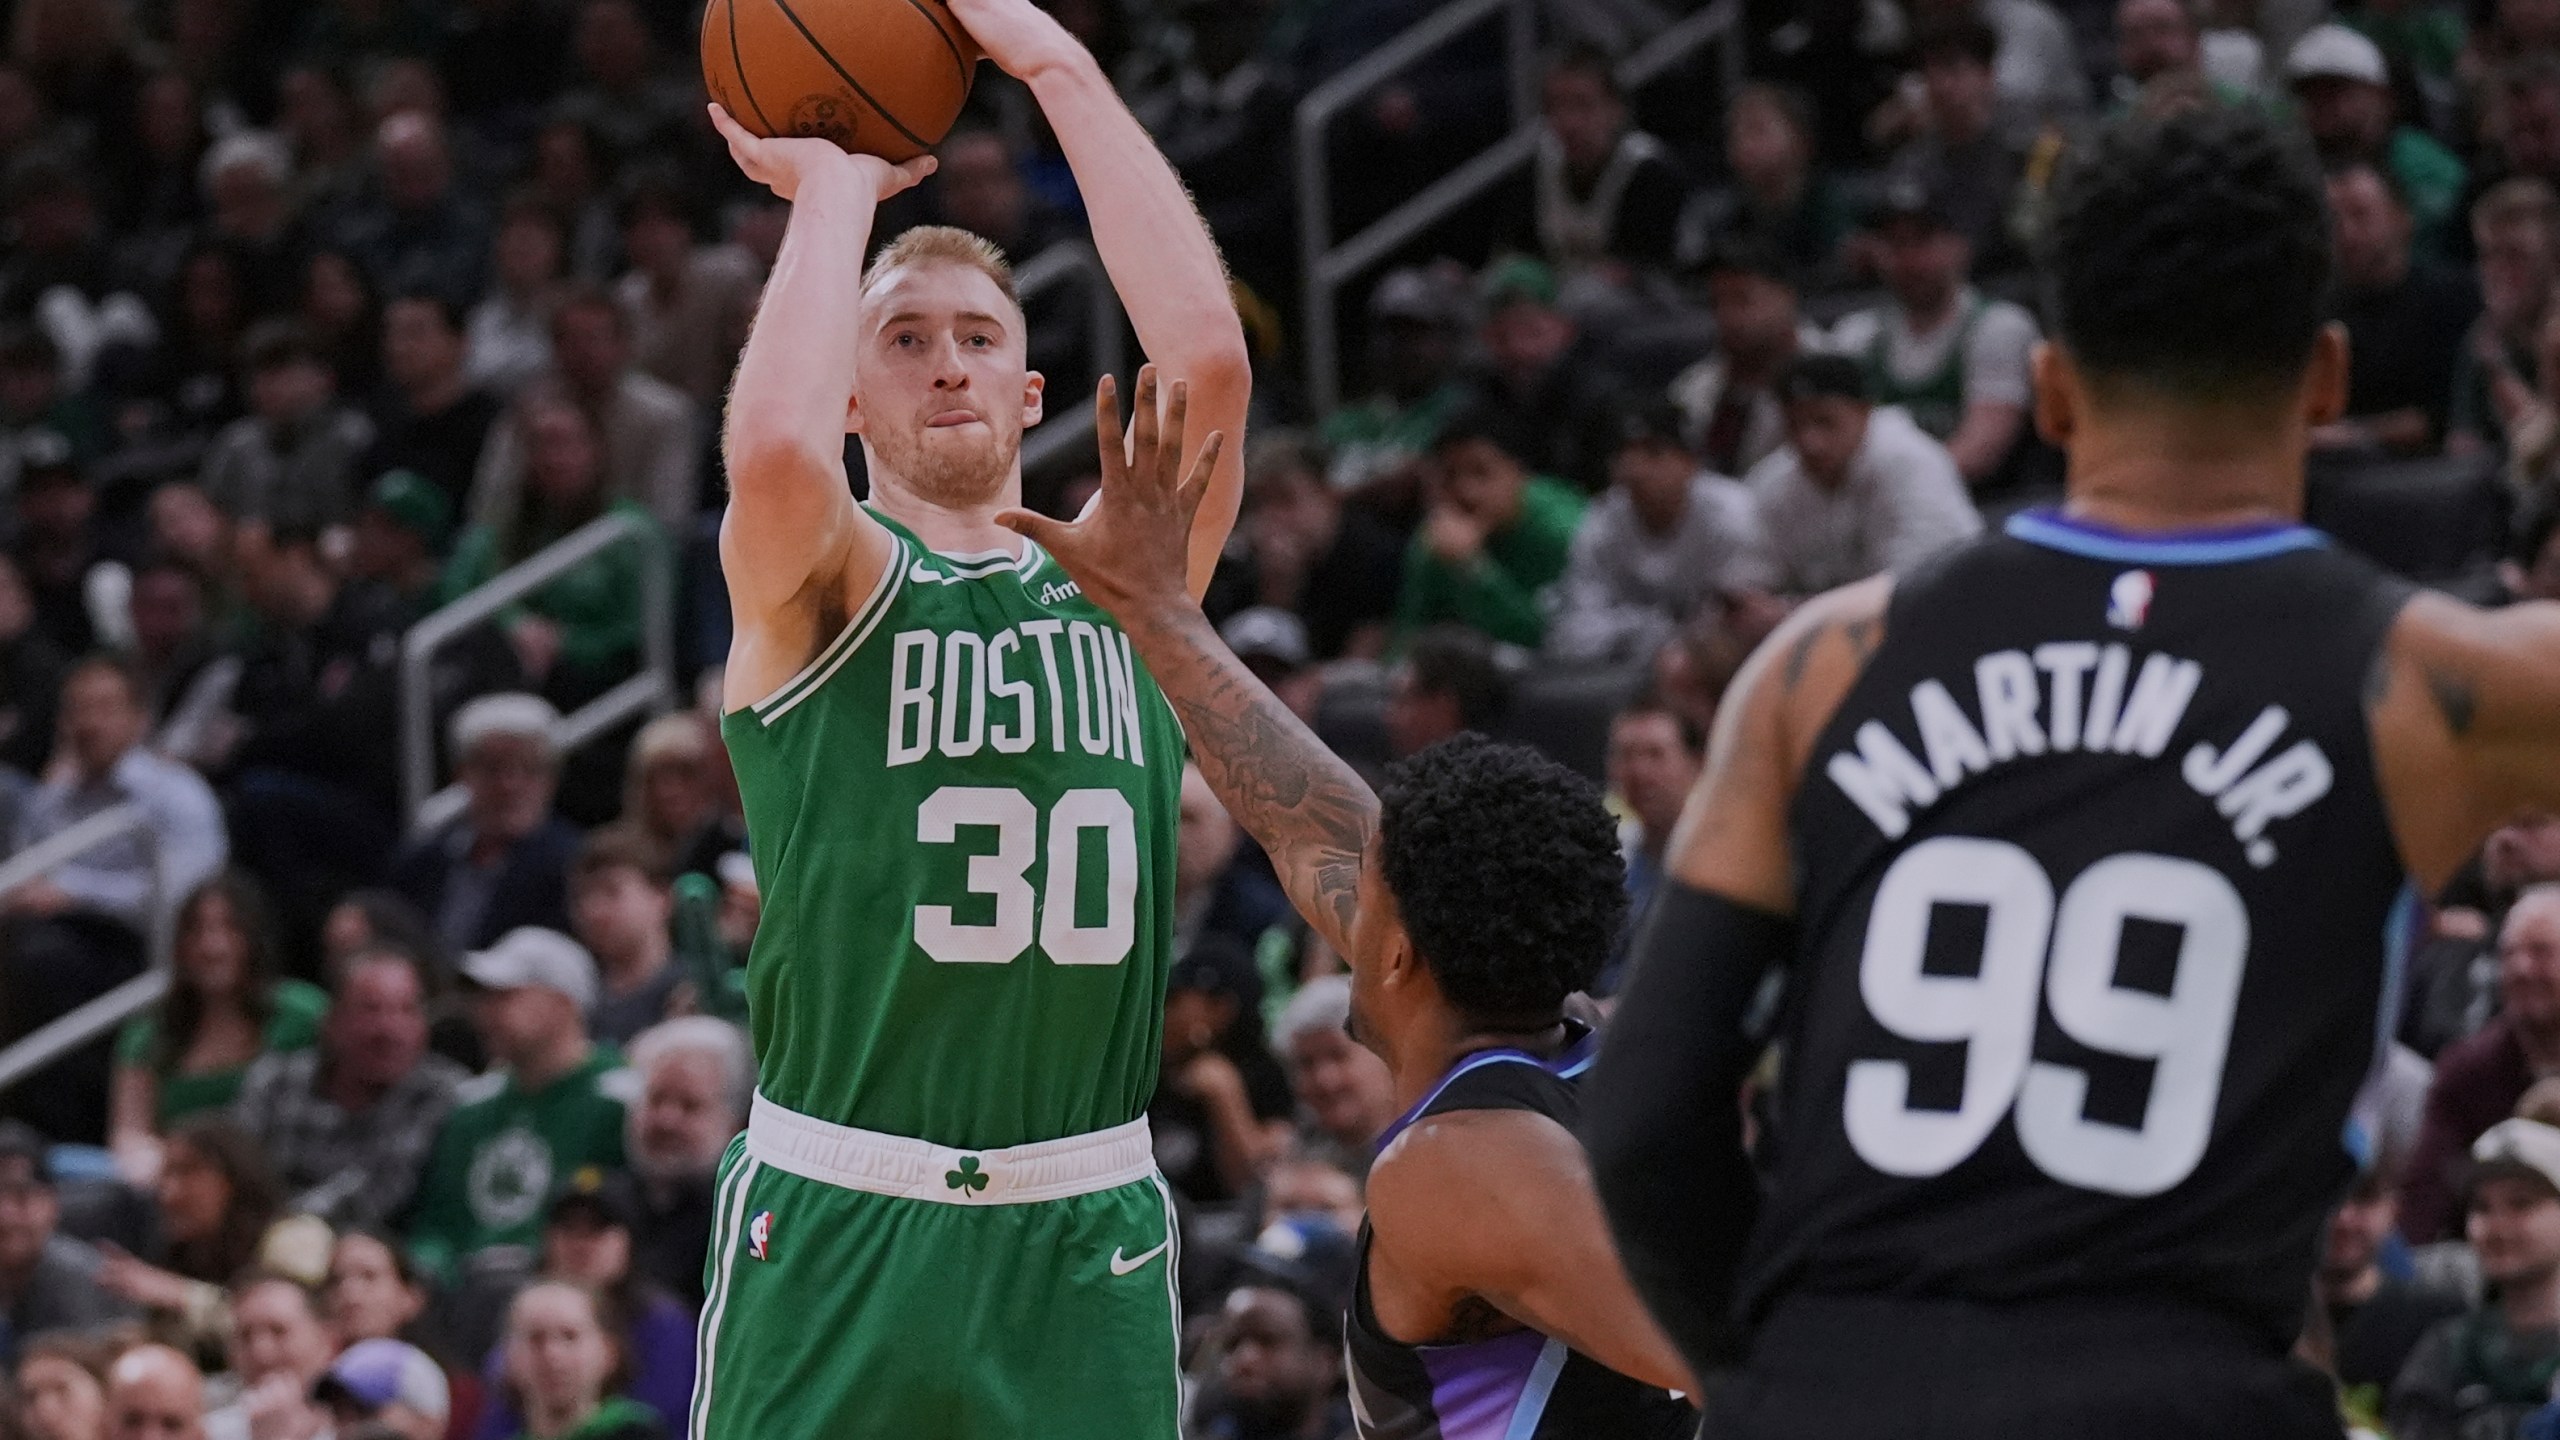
[(760, 1235), (2129, 599)]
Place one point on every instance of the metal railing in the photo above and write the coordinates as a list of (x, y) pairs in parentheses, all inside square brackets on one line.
[(91, 1019), (1060, 264), (1328, 265), (653, 689)]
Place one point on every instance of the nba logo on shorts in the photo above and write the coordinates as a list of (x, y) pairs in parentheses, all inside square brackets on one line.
[(760, 1234), (2129, 600)]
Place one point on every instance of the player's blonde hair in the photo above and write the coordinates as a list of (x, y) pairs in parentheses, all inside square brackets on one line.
[(944, 245)]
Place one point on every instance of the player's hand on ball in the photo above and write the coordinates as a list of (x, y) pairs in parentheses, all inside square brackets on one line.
[(1130, 549), (1020, 37), (782, 163)]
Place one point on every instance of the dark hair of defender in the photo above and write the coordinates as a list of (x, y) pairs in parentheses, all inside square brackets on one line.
[(1506, 869), (2190, 254)]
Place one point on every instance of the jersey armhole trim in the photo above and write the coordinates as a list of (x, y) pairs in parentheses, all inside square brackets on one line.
[(814, 674)]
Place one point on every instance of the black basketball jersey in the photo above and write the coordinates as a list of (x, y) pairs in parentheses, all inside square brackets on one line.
[(1519, 1386), (2094, 887)]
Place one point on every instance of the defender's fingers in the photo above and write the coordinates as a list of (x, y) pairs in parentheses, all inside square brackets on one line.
[(1177, 410), (1144, 424), (1039, 529), (1195, 486), (1106, 431)]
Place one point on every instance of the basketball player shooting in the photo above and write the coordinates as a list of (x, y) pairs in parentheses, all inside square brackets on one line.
[(2079, 846), (944, 1219)]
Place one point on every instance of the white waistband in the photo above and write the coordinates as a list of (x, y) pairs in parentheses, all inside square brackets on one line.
[(921, 1170)]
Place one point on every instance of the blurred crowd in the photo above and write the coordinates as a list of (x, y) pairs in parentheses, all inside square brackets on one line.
[(317, 315)]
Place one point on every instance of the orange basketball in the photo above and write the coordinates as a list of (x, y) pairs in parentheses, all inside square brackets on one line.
[(878, 77)]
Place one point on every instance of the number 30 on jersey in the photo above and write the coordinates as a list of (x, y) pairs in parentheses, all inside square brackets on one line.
[(1004, 874), (2063, 952)]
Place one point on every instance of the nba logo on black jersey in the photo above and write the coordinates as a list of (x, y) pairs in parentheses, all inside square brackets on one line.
[(2129, 599), (760, 1234)]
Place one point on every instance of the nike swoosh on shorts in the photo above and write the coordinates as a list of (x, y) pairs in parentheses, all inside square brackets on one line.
[(1121, 1265)]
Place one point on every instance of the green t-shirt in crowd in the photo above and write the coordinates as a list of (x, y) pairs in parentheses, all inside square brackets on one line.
[(292, 1024), (619, 1418), (504, 1152), (596, 603), (1501, 590), (2432, 178)]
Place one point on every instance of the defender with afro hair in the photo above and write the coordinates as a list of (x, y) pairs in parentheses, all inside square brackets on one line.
[(1506, 869)]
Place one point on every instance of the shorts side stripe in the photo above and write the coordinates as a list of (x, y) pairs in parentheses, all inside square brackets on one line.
[(728, 1208), (1172, 1288)]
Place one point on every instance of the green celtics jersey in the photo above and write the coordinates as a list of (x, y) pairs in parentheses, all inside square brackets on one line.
[(962, 817)]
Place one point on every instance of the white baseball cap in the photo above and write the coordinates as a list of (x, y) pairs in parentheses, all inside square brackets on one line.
[(2334, 52), (2527, 1143), (532, 955), (511, 712)]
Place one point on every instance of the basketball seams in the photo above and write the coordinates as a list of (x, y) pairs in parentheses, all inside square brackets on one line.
[(738, 62), (847, 77), (949, 43)]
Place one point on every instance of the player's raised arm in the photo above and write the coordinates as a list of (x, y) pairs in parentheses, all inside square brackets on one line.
[(791, 515), (1152, 240), (2467, 711), (1307, 809), (1662, 1114)]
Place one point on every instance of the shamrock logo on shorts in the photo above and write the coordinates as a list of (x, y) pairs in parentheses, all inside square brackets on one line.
[(968, 1177)]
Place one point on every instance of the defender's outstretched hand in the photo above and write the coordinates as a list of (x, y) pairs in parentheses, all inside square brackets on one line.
[(782, 163), (1129, 550)]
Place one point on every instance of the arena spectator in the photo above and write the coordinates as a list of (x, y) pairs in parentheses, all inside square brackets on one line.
[(1417, 324), (620, 905), (347, 1126), (1223, 119), (2040, 79), (389, 1383), (1493, 539), (1277, 1369), (1345, 1095), (1336, 566), (2344, 88), (504, 861), (562, 1366), (1858, 489), (580, 633), (2405, 321), (688, 303), (1962, 155), (1777, 200), (1218, 887), (697, 1075), (61, 1387), (372, 1293), (2481, 1373), (249, 193), (623, 96), (509, 331), (1667, 540), (1221, 1108), (155, 1393), (56, 547), (217, 1205), (186, 683), (77, 932), (643, 426), (1730, 398), (2479, 1079), (2160, 50), (1545, 387), (291, 461), (2515, 228), (569, 179), (1448, 681), (1950, 356), (432, 421), (278, 1348), (1654, 760), (228, 1004), (554, 1104), (2376, 1319), (418, 230), (48, 1281), (1604, 194), (338, 310), (587, 1242), (31, 667), (672, 794)]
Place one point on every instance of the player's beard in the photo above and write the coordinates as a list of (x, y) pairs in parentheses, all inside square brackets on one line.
[(952, 475)]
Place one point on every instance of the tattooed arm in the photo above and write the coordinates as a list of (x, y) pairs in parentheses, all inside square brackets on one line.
[(2465, 713), (1307, 808)]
